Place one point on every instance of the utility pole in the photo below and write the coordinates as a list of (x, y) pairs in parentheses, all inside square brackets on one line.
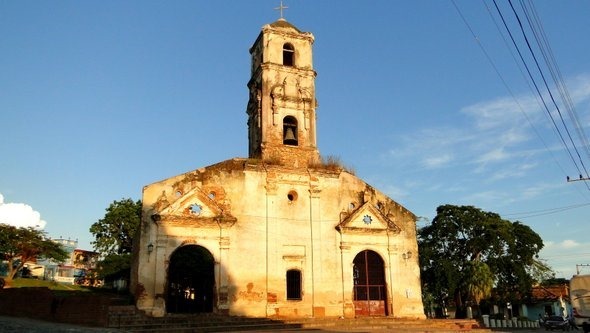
[(578, 267), (569, 180)]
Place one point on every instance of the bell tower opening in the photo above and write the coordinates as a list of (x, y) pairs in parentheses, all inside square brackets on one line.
[(290, 131), (288, 55)]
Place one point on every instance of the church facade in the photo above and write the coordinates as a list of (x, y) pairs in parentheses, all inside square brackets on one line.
[(281, 233)]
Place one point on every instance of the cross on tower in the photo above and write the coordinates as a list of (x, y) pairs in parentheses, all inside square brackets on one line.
[(280, 9)]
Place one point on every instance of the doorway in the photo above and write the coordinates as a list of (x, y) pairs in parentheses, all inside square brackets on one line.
[(191, 280), (370, 292)]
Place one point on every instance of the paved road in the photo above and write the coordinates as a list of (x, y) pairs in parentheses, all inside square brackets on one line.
[(26, 325)]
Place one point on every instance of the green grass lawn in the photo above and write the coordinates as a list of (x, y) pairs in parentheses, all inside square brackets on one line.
[(20, 283), (63, 289)]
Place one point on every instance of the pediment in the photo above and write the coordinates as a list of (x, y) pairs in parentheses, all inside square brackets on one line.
[(195, 207), (367, 219)]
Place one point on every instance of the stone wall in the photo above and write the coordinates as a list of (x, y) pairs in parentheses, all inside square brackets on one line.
[(69, 307)]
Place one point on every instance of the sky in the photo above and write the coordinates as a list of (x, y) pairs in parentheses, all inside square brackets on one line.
[(426, 100)]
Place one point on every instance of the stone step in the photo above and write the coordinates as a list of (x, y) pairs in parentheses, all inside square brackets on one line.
[(266, 324), (131, 320), (214, 328)]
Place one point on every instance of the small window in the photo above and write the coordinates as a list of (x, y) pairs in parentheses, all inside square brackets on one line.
[(196, 209), (292, 196), (288, 55), (294, 284)]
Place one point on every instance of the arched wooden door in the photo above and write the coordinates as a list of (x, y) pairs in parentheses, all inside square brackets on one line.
[(370, 292), (191, 280)]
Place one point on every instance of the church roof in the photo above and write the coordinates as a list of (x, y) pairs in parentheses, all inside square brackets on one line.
[(282, 23)]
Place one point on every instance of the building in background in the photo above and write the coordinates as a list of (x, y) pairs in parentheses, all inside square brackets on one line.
[(79, 268)]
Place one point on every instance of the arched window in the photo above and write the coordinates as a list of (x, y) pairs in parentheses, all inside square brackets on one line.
[(290, 131), (294, 284), (288, 55)]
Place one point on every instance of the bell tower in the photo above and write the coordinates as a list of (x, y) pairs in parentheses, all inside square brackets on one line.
[(282, 105)]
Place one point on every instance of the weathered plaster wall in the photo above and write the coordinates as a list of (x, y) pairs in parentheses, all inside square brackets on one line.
[(281, 218)]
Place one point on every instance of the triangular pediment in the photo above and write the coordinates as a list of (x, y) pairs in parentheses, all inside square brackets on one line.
[(194, 202), (197, 207), (367, 219)]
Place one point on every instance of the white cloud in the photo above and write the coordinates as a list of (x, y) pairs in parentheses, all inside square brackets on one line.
[(564, 244), (581, 91), (536, 190), (394, 191), (492, 142), (494, 114), (564, 256), (484, 198), (433, 147), (437, 161), (494, 155), (568, 244), (20, 215)]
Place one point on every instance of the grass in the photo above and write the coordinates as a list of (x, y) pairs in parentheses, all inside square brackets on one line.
[(67, 290), (333, 163), (52, 285)]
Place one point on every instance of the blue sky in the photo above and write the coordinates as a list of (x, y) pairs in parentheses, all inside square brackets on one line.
[(98, 99)]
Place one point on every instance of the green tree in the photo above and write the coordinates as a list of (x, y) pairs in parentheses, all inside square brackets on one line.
[(114, 237), (479, 281), (19, 245), (465, 252), (114, 232)]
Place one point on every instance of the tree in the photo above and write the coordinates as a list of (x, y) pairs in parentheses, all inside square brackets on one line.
[(541, 272), (479, 281), (466, 251), (114, 232), (19, 245), (114, 237)]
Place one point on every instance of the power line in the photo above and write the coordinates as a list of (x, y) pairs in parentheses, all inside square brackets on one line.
[(551, 62), (556, 74), (534, 82), (521, 109), (548, 211), (546, 51), (539, 99), (545, 84)]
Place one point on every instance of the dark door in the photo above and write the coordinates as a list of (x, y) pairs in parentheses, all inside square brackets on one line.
[(370, 292), (191, 280)]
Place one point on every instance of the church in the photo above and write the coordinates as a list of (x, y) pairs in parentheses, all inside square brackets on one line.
[(283, 233)]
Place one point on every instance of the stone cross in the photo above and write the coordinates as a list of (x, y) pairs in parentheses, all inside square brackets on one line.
[(280, 8)]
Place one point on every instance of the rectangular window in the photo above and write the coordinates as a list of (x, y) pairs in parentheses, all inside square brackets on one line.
[(294, 284)]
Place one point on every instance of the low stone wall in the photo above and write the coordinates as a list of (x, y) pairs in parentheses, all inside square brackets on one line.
[(41, 303)]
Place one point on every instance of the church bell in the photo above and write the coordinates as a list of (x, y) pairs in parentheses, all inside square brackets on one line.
[(289, 138)]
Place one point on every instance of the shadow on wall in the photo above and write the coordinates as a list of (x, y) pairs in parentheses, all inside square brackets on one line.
[(74, 307)]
